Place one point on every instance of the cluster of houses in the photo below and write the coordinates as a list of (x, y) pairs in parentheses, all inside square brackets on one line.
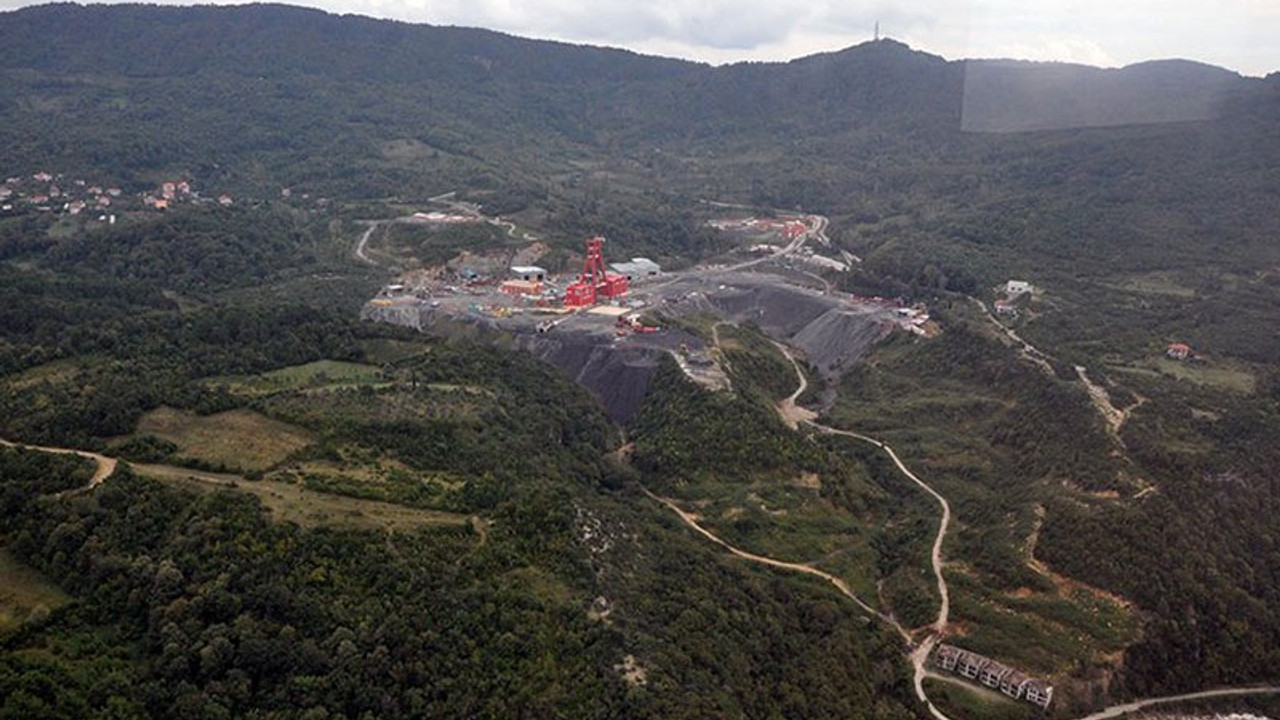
[(986, 671), (46, 192)]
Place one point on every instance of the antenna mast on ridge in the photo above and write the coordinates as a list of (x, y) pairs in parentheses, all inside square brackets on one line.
[(877, 31)]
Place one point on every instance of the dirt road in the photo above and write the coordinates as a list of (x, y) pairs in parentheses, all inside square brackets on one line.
[(944, 606), (1028, 351), (1119, 710), (1114, 417), (920, 654), (364, 241), (106, 465), (791, 413), (839, 584)]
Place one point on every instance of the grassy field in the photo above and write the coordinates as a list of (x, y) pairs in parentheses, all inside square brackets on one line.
[(24, 593), (963, 701), (50, 372), (318, 374), (238, 439), (1219, 375), (361, 474), (1039, 632), (1152, 283), (386, 350), (294, 503)]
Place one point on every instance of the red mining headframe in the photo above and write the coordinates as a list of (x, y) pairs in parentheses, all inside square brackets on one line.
[(595, 281)]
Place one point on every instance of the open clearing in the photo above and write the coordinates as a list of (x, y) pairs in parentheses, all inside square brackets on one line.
[(383, 350), (239, 439), (50, 372), (293, 503), (1221, 375), (321, 373), (964, 700), (1151, 283), (24, 593)]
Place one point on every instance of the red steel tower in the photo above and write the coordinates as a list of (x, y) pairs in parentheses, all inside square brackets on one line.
[(595, 281)]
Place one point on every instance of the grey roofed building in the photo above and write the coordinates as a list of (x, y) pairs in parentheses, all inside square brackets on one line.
[(637, 268), (529, 272)]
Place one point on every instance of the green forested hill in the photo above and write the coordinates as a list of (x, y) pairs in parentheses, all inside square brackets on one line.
[(173, 339)]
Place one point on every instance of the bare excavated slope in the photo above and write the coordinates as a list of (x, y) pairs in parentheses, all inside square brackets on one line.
[(832, 332)]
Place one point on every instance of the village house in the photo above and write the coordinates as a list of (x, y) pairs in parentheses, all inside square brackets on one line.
[(1005, 307), (1178, 351), (1016, 288)]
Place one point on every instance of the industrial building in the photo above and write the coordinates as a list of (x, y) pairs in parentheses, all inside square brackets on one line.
[(528, 273), (636, 269), (994, 675), (594, 282)]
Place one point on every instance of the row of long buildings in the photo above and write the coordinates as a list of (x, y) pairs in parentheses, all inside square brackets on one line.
[(994, 675)]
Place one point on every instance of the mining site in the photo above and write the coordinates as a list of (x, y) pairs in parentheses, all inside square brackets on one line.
[(609, 326)]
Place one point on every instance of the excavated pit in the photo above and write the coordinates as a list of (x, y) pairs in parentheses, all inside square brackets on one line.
[(833, 332)]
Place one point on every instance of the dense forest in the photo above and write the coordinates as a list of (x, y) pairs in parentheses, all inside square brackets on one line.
[(473, 538)]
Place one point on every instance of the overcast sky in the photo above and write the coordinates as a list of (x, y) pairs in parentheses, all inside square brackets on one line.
[(1242, 35)]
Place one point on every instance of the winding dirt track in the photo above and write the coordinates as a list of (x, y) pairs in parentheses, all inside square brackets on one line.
[(106, 465), (364, 241), (793, 415), (919, 655), (840, 585), (944, 607)]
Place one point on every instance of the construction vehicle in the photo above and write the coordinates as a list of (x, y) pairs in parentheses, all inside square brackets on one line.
[(632, 323), (595, 282)]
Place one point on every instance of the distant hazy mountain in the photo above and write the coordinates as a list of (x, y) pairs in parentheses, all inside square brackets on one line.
[(882, 79), (1006, 95), (254, 97), (282, 40)]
